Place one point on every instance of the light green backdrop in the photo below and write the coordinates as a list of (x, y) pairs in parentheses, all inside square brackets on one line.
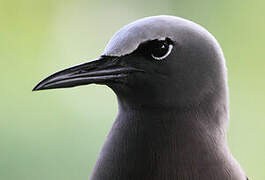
[(57, 134)]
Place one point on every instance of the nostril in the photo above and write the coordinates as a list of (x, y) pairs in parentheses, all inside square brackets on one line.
[(82, 71)]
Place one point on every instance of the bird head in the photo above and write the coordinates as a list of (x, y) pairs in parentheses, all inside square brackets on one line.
[(159, 60)]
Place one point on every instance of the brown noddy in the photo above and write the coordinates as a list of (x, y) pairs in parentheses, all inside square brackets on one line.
[(170, 78)]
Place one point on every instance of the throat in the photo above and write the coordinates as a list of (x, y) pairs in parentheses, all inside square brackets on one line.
[(153, 141), (171, 132)]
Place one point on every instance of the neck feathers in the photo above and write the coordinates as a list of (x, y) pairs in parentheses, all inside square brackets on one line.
[(154, 142)]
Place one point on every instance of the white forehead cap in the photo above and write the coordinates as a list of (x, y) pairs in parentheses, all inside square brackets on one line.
[(128, 38)]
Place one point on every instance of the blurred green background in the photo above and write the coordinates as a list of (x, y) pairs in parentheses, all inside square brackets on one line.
[(57, 134)]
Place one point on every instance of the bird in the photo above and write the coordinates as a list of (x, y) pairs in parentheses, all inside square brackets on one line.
[(170, 78)]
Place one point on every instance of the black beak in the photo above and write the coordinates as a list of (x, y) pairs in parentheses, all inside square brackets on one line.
[(104, 70)]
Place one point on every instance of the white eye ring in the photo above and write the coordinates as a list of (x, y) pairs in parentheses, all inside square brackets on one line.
[(170, 47)]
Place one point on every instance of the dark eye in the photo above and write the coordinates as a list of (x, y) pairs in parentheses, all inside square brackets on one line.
[(160, 49)]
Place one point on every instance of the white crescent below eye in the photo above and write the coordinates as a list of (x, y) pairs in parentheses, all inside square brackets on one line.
[(170, 47)]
